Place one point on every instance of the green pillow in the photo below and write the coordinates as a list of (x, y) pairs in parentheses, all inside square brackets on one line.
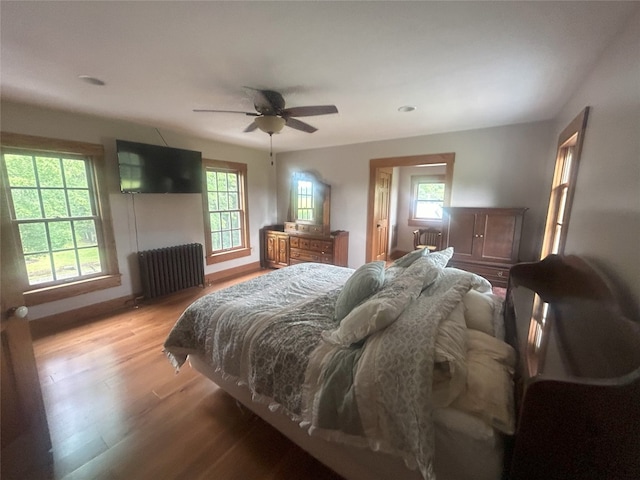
[(364, 282), (382, 309), (411, 257), (441, 257)]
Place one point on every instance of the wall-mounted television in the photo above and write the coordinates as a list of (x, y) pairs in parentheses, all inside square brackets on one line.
[(156, 169)]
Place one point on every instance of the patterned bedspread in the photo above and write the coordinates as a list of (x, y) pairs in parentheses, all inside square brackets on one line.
[(261, 332), (267, 333)]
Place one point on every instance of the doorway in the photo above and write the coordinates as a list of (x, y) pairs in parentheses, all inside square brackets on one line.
[(376, 203)]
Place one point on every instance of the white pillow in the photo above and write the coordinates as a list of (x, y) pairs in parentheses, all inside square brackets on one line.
[(489, 388), (364, 282), (450, 368), (492, 347), (478, 312), (469, 425)]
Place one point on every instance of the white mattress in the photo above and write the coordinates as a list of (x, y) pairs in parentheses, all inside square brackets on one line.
[(466, 448)]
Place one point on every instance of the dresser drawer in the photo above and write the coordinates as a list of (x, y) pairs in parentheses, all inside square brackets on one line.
[(304, 229), (321, 246), (498, 275), (313, 244), (309, 256)]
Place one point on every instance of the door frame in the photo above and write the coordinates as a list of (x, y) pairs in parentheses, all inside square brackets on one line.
[(409, 161)]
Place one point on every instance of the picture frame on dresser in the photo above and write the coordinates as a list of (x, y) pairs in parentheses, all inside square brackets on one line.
[(486, 241)]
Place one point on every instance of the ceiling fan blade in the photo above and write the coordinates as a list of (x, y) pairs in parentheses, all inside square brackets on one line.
[(251, 127), (298, 125), (310, 111), (251, 114)]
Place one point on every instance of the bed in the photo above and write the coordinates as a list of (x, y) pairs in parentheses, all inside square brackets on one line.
[(405, 371)]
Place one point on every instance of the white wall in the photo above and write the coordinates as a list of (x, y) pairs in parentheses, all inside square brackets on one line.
[(502, 166), (506, 166), (605, 218), (147, 221)]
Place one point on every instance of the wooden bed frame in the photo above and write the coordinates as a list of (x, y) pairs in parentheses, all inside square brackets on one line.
[(577, 385)]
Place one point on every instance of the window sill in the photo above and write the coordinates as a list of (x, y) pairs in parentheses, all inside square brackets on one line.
[(80, 287), (230, 255), (414, 222)]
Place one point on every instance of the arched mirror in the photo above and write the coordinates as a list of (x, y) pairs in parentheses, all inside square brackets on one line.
[(310, 205)]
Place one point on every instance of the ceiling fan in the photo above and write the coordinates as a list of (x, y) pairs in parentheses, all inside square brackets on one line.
[(271, 116)]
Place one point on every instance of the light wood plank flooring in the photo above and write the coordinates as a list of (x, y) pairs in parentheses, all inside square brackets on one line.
[(117, 410)]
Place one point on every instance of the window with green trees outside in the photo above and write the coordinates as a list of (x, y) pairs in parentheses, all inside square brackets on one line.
[(225, 208), (53, 207), (60, 215)]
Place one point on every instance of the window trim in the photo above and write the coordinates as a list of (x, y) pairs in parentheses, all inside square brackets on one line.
[(415, 181), (571, 136), (235, 253), (35, 295)]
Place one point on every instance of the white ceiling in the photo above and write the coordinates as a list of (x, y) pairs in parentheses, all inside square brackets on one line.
[(464, 65)]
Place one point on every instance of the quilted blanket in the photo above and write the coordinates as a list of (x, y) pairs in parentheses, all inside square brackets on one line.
[(261, 332), (267, 333)]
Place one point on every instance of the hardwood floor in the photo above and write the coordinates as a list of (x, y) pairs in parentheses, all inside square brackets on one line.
[(117, 410)]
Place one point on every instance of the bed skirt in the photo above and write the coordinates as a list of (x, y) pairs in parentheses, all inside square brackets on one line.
[(458, 456)]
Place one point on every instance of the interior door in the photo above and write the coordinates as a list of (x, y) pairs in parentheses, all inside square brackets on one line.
[(24, 432), (381, 213)]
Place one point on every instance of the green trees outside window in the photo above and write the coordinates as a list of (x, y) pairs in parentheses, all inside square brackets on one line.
[(53, 206), (224, 209)]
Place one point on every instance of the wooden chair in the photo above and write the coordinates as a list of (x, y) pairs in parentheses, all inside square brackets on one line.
[(428, 238)]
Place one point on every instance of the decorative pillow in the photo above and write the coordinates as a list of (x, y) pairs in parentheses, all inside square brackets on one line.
[(364, 282), (381, 309), (496, 349), (391, 272), (457, 421), (489, 388), (450, 369), (410, 257), (478, 312), (441, 257)]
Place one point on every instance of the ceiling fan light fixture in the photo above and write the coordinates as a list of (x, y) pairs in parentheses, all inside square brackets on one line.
[(270, 123)]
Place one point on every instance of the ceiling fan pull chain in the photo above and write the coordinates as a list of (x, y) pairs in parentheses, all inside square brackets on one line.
[(271, 147)]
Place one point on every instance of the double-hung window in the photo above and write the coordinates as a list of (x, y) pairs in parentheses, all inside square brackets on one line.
[(58, 208), (225, 207), (563, 186), (562, 190), (427, 199)]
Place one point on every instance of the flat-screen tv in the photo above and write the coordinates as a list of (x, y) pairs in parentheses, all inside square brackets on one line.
[(156, 169)]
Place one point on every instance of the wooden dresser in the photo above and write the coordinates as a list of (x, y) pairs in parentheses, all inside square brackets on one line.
[(282, 248), (486, 241)]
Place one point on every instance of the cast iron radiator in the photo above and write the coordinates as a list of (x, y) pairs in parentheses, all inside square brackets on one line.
[(167, 270)]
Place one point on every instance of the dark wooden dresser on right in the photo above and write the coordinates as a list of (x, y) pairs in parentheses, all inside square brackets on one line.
[(485, 241)]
